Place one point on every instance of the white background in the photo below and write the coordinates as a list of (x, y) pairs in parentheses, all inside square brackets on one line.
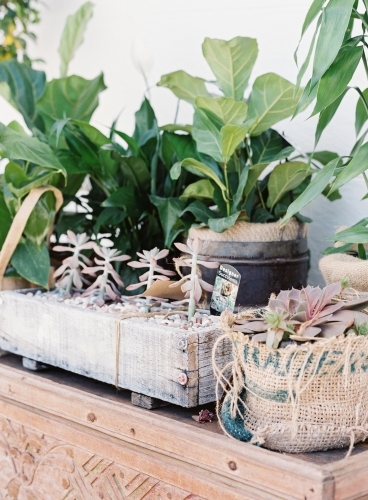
[(169, 34)]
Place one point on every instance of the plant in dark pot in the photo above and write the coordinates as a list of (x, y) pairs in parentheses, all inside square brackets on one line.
[(247, 173)]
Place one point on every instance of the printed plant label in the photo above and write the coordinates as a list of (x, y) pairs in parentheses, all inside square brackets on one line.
[(225, 289)]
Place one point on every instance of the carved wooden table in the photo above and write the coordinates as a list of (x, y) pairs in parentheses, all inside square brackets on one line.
[(64, 437)]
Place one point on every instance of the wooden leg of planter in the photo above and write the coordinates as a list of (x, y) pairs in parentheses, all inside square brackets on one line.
[(147, 402), (33, 365), (3, 353)]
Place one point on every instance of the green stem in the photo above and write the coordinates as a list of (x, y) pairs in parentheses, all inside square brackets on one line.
[(361, 18), (227, 200), (191, 306), (260, 196)]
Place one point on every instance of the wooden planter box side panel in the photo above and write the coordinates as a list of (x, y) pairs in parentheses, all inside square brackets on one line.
[(151, 357)]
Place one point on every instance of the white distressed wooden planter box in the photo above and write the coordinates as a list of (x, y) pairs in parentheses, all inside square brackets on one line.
[(149, 359)]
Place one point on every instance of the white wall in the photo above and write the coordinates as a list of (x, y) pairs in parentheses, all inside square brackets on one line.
[(172, 32)]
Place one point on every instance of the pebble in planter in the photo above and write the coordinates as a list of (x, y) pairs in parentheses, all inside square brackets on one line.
[(159, 355), (299, 377)]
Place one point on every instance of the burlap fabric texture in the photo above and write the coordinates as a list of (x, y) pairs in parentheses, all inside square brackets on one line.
[(337, 266), (254, 232), (296, 399)]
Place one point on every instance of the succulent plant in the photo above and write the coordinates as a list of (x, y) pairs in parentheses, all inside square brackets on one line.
[(103, 284), (149, 259), (192, 284), (305, 315), (70, 272)]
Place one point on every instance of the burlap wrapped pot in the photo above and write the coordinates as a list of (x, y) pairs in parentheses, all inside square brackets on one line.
[(296, 399), (336, 267)]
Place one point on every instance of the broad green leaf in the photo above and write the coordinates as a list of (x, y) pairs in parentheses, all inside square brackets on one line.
[(357, 234), (132, 144), (198, 168), (333, 250), (254, 172), (314, 189), (145, 120), (355, 167), (199, 210), (183, 145), (169, 210), (5, 218), (202, 189), (272, 99), (326, 116), (184, 86), (32, 262), (362, 254), (124, 197), (16, 146), (72, 36), (70, 97), (261, 215), (207, 135), (41, 219), (336, 16), (284, 178), (266, 146), (334, 82), (231, 62), (231, 138), (243, 178), (92, 133), (220, 225), (361, 113), (323, 157), (136, 171), (25, 87), (223, 110)]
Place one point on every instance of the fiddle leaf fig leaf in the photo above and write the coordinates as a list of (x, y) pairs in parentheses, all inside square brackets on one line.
[(268, 147), (202, 189), (336, 16), (284, 178), (199, 210), (231, 62), (207, 135), (223, 110), (231, 137), (184, 86), (272, 99), (198, 168), (72, 36)]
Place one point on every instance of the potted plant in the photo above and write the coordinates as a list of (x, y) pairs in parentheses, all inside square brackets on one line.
[(298, 379), (29, 201), (334, 64), (144, 343), (247, 173)]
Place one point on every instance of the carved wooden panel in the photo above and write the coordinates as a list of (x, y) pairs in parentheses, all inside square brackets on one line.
[(38, 467)]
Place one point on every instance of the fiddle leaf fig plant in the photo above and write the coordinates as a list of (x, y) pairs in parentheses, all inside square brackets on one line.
[(235, 141)]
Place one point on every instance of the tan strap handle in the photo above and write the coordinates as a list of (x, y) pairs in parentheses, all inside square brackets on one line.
[(19, 223)]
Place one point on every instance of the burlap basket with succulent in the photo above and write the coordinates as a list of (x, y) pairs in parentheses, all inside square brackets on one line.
[(298, 381)]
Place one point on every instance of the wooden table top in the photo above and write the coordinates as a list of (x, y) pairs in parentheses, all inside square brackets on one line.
[(238, 470)]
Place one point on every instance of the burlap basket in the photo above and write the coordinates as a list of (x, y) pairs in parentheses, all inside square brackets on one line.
[(336, 267), (296, 399)]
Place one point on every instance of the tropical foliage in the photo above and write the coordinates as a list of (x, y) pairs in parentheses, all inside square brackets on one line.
[(235, 144), (337, 51)]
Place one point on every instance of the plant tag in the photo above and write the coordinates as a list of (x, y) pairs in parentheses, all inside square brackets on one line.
[(225, 289)]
